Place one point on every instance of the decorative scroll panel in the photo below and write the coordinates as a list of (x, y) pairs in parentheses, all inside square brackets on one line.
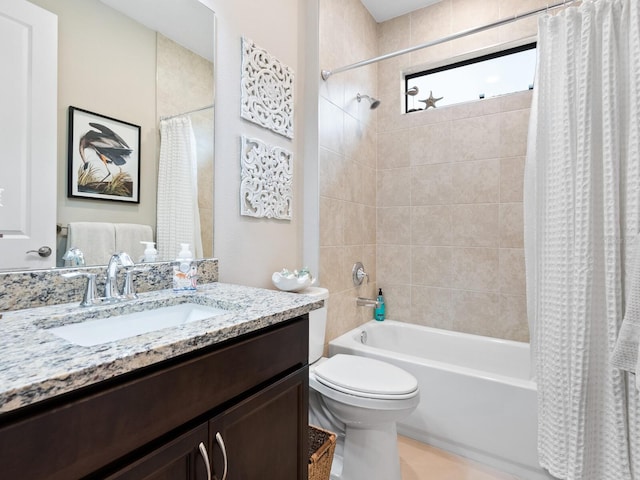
[(267, 174), (267, 90)]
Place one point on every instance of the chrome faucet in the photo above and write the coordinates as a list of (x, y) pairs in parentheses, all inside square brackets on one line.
[(117, 260), (111, 292), (367, 302)]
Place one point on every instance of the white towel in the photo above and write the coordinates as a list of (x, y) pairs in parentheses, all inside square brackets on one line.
[(129, 236), (96, 240), (626, 354)]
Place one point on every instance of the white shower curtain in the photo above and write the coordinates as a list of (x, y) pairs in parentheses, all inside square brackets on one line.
[(582, 207), (178, 217)]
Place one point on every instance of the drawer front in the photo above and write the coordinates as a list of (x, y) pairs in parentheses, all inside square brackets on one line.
[(77, 438)]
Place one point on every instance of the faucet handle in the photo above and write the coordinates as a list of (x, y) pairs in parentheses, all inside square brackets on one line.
[(129, 289), (91, 292), (358, 274)]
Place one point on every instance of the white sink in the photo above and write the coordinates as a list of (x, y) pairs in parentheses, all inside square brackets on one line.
[(94, 332)]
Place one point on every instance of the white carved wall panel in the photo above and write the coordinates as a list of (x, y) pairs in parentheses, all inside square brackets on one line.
[(266, 185), (267, 90)]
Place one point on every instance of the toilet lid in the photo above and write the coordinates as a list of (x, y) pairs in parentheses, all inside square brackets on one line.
[(361, 375)]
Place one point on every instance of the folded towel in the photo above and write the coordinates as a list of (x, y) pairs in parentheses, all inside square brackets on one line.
[(96, 240), (626, 353), (128, 238)]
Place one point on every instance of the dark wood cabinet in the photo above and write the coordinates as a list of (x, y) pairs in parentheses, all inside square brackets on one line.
[(265, 435), (150, 423), (180, 459)]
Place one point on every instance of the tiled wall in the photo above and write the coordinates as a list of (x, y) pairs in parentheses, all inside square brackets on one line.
[(449, 221), (445, 241), (347, 161)]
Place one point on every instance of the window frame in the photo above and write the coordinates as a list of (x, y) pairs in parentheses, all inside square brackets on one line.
[(462, 63)]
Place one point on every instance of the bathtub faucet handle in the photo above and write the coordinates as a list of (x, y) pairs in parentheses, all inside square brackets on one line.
[(358, 274)]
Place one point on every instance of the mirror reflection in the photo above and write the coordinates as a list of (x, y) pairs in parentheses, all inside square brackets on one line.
[(150, 64)]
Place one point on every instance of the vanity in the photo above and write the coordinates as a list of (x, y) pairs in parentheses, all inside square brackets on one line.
[(222, 397)]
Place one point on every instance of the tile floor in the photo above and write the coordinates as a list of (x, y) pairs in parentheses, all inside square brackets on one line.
[(424, 462)]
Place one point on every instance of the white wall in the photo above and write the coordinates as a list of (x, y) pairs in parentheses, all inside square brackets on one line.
[(251, 249), (94, 74)]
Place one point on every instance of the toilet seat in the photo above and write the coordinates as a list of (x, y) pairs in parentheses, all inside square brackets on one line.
[(366, 378)]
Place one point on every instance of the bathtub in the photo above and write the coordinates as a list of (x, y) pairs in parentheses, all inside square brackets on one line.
[(476, 396)]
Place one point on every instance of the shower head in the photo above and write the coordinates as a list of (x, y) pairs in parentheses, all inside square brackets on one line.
[(412, 91), (374, 102)]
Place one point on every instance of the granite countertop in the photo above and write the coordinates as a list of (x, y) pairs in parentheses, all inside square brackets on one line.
[(36, 364)]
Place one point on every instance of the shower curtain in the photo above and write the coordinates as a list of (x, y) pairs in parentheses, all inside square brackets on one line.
[(178, 217), (582, 207)]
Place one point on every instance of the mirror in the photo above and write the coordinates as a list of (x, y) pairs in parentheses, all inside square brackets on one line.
[(137, 61)]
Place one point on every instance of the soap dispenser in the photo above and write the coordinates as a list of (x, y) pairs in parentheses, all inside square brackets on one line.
[(185, 271), (150, 252), (379, 311)]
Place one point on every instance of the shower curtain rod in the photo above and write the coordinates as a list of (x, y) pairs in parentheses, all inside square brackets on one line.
[(187, 113), (325, 74)]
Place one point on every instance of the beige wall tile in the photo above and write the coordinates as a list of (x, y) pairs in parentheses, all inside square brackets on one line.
[(431, 225), (393, 265), (516, 101), (511, 225), (476, 138), (475, 269), (353, 182), (369, 225), (427, 24), (393, 149), (332, 174), (431, 266), (331, 120), (513, 133), (475, 312), (511, 179), (331, 221), (430, 143), (394, 34), (354, 223), (394, 187), (475, 225), (431, 306), (476, 182), (469, 14), (369, 182), (431, 184), (331, 262), (512, 323), (394, 226), (397, 299), (512, 271)]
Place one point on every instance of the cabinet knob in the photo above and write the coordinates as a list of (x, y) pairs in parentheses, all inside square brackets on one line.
[(205, 457), (223, 449)]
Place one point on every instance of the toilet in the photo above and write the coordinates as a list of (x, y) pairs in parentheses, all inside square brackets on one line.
[(360, 399)]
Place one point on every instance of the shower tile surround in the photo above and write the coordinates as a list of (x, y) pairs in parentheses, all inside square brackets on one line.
[(448, 232)]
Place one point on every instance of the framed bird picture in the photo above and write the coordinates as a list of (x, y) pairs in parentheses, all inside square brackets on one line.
[(104, 157)]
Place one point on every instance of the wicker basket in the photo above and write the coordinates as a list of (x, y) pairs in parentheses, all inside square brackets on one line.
[(322, 444)]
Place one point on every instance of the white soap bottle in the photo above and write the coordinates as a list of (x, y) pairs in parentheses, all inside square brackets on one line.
[(150, 252), (184, 270)]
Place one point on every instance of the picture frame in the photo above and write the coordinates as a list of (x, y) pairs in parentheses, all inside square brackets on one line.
[(103, 157)]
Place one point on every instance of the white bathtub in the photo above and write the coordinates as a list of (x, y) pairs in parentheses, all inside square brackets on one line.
[(476, 396)]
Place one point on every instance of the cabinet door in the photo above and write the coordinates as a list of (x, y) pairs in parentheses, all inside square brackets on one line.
[(179, 459), (264, 436)]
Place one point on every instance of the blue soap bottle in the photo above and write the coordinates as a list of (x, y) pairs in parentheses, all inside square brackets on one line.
[(378, 313)]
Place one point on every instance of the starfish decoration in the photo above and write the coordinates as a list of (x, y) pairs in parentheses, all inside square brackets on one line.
[(430, 102)]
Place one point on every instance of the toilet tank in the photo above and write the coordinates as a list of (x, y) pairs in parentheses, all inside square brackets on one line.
[(317, 323)]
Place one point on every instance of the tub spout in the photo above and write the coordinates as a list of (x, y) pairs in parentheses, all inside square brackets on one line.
[(367, 302)]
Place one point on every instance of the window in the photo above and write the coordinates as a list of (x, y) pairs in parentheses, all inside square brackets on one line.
[(507, 71)]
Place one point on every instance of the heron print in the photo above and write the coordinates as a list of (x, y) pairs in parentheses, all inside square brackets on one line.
[(105, 158)]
